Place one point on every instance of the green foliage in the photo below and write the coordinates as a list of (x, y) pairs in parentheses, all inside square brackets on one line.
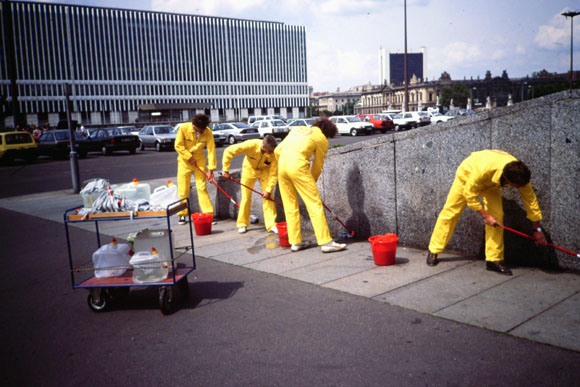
[(458, 92)]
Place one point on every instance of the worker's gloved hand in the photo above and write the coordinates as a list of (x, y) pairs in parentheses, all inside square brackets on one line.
[(266, 195), (192, 161), (540, 238), (211, 177), (226, 175)]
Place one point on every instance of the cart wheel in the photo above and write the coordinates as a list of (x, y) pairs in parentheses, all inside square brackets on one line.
[(97, 304), (183, 287), (166, 300)]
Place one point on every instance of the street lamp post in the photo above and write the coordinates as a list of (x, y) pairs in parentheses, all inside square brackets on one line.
[(571, 14)]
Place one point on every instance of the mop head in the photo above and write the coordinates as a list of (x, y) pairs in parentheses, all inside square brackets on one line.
[(343, 234)]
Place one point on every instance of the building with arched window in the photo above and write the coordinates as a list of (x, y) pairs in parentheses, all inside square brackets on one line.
[(115, 61)]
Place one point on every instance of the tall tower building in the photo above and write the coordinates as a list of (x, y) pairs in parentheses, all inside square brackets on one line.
[(397, 67), (383, 66)]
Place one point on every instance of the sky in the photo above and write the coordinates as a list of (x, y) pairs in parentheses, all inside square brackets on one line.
[(463, 37)]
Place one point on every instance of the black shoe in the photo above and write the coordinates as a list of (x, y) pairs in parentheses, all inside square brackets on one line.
[(432, 259), (498, 266), (182, 220)]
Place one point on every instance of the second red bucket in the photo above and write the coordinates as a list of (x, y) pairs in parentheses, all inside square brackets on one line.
[(283, 234), (202, 223), (384, 249)]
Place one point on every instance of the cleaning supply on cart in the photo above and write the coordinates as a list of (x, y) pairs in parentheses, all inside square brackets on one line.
[(92, 190), (164, 195), (148, 267), (111, 260), (147, 239), (134, 190)]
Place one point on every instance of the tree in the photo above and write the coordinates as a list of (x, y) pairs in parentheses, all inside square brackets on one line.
[(458, 92)]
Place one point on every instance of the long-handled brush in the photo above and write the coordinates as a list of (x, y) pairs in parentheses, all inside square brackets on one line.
[(220, 188), (548, 244), (348, 233), (258, 192)]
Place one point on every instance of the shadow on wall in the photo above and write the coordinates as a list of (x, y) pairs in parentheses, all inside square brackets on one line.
[(358, 221)]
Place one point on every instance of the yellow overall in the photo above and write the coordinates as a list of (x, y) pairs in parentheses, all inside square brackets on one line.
[(296, 176), (479, 175), (257, 166), (188, 144)]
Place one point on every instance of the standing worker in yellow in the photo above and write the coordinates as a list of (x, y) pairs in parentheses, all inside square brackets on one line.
[(191, 139), (259, 164), (296, 176), (483, 174)]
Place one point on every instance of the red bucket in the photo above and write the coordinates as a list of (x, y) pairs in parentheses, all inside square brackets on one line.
[(283, 234), (384, 249), (202, 223)]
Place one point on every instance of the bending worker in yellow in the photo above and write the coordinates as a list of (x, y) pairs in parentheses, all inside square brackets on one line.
[(296, 176), (259, 164), (483, 174), (190, 142)]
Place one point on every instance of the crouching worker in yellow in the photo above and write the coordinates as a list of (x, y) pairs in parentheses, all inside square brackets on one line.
[(483, 174), (296, 176), (190, 142), (259, 164)]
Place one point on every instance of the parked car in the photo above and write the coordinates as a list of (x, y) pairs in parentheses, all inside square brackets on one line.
[(218, 138), (380, 122), (351, 125), (422, 118), (160, 137), (17, 145), (437, 117), (406, 120), (134, 130), (56, 144), (253, 119), (276, 128), (235, 131), (109, 140), (301, 122)]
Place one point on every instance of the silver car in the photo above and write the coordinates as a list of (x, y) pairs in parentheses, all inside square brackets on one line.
[(235, 131), (159, 137)]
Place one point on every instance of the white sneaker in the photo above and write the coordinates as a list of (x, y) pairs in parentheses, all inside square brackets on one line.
[(274, 229), (331, 247), (182, 220), (242, 230), (214, 222), (300, 246)]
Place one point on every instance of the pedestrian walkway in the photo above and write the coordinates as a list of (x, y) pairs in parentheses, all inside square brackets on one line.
[(533, 304)]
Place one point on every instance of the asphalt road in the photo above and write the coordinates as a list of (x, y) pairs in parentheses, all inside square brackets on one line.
[(45, 175)]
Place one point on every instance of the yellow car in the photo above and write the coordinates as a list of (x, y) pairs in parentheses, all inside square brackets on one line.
[(17, 145)]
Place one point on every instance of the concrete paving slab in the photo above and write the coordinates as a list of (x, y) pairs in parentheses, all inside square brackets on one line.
[(559, 325), (448, 288), (514, 302), (409, 267)]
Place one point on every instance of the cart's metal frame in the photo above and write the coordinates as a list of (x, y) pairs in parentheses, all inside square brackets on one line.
[(104, 290)]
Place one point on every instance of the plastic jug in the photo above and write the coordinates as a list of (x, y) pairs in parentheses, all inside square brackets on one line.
[(134, 190), (164, 195), (146, 240), (148, 267), (111, 260)]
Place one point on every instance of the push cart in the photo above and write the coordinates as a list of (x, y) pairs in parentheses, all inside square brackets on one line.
[(104, 291)]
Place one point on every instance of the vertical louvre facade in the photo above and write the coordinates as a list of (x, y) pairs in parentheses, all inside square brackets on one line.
[(117, 60)]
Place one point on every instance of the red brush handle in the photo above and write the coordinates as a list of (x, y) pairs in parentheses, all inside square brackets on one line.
[(351, 233), (258, 192), (549, 244), (220, 188)]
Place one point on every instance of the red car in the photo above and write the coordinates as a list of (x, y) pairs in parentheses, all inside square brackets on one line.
[(380, 122)]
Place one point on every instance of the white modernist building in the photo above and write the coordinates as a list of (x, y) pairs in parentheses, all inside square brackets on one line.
[(126, 65)]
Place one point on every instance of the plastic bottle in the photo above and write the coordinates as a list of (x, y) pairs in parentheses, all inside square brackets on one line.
[(148, 267), (164, 195), (111, 260), (134, 190)]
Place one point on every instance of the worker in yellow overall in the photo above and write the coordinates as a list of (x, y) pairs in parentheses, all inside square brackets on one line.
[(259, 164), (297, 177), (483, 174), (192, 138)]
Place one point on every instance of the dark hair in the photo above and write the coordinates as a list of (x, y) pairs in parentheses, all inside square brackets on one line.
[(270, 141), (201, 121), (517, 173), (327, 127)]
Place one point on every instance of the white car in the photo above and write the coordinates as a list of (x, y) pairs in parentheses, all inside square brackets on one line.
[(159, 137), (276, 128), (351, 125), (235, 131), (410, 120), (254, 119), (301, 122), (437, 117)]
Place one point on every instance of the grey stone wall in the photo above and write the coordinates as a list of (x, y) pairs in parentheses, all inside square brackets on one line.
[(399, 182)]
